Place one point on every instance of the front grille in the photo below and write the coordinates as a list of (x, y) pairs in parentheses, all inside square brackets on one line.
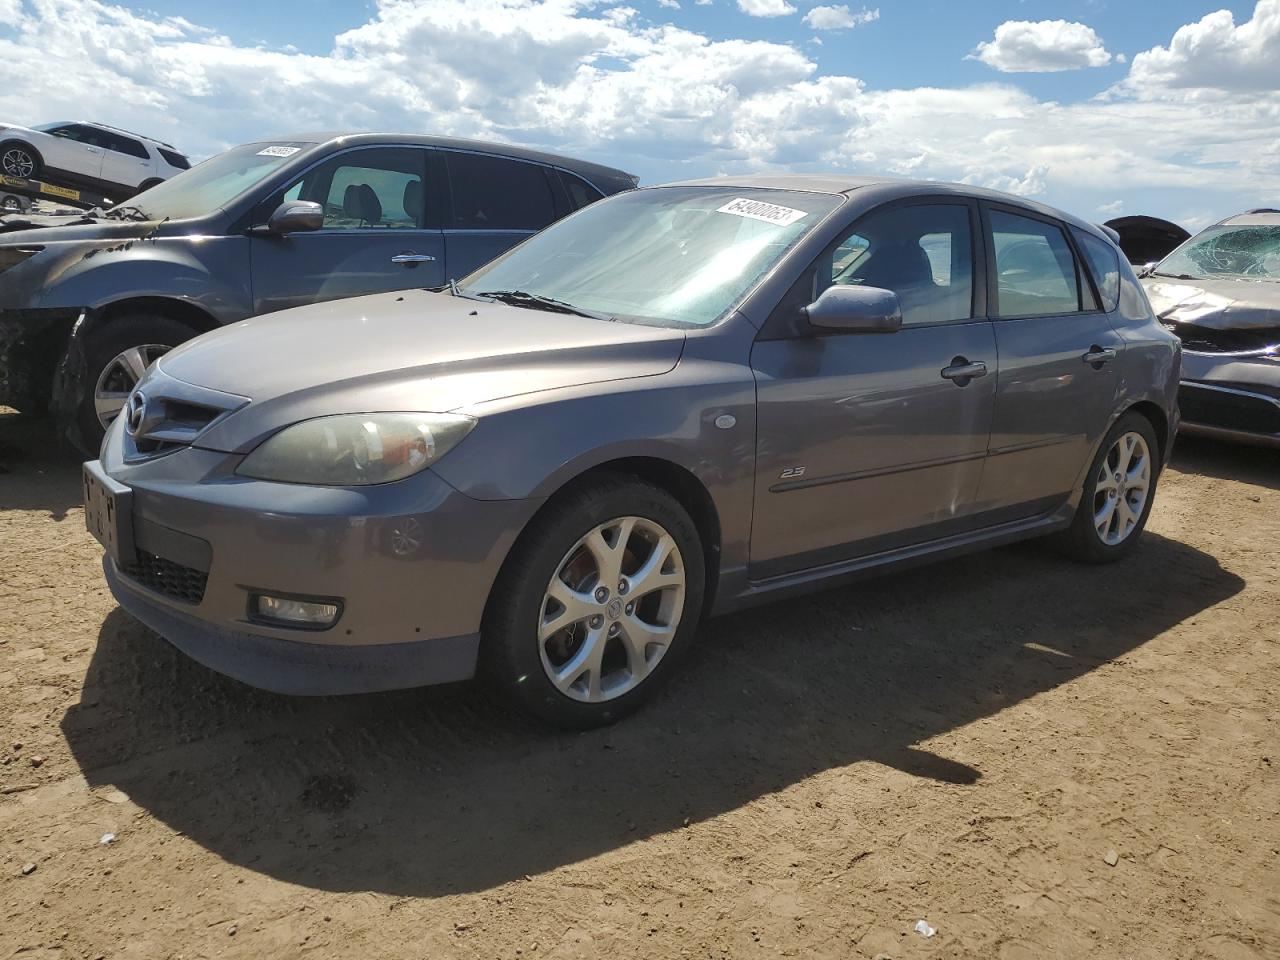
[(164, 576), (1208, 340), (1230, 411)]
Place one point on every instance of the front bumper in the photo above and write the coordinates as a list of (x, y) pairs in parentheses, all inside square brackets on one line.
[(412, 563), (1231, 397)]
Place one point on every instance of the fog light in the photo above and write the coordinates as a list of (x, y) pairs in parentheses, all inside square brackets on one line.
[(304, 613)]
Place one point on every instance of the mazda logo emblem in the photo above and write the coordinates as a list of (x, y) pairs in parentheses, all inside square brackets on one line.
[(135, 412)]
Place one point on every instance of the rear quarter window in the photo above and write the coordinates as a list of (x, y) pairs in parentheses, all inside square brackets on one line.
[(1104, 263), (175, 159)]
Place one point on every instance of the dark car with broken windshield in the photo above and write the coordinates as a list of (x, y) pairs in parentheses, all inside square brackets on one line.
[(88, 302), (1220, 293)]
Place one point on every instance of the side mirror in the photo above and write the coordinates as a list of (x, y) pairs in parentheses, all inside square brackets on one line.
[(295, 216), (1147, 269), (852, 309)]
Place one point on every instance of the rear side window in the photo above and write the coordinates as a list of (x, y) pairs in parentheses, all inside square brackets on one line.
[(1104, 264), (922, 252), (175, 159), (494, 193), (122, 144), (1035, 269), (581, 193)]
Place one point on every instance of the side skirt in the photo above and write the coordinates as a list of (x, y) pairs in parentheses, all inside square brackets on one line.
[(738, 592)]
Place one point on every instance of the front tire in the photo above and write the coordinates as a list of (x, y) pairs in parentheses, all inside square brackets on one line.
[(116, 355), (596, 605), (19, 160), (1118, 493)]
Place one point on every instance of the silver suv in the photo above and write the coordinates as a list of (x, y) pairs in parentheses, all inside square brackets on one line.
[(94, 155)]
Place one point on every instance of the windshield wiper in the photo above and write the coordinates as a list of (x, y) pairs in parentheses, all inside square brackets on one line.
[(129, 212), (522, 298), (1174, 276)]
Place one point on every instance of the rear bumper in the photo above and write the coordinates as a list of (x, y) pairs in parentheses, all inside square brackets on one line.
[(299, 668)]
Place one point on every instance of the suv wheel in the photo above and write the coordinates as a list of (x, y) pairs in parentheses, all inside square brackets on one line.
[(10, 203), (1118, 493), (116, 357), (596, 605), (19, 160)]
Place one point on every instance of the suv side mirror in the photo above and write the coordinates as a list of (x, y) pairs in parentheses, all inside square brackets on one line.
[(295, 216), (853, 309)]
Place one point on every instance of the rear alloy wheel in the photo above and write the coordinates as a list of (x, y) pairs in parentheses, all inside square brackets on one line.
[(1117, 495), (10, 204), (18, 161), (596, 604)]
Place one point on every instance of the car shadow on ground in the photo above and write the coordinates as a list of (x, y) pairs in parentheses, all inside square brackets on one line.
[(38, 470), (441, 790), (1259, 466)]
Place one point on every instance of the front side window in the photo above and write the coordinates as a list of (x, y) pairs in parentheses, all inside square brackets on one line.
[(79, 133), (922, 252), (1250, 252), (1104, 264), (667, 256), (379, 189), (495, 193), (1035, 269)]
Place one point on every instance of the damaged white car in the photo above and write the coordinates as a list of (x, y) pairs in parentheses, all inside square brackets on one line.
[(1220, 293)]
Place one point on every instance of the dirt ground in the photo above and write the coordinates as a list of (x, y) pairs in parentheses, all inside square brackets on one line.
[(964, 744)]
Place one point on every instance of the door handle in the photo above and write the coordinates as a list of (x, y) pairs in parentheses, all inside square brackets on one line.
[(962, 371), (1097, 356), (413, 258)]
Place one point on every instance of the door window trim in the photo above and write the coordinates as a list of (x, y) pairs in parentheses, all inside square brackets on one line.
[(782, 326), (1087, 292)]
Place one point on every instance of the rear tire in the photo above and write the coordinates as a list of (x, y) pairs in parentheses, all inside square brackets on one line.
[(610, 646), (1118, 493), (112, 368), (19, 160), (147, 185)]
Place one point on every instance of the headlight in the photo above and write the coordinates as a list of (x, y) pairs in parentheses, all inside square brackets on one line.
[(356, 449)]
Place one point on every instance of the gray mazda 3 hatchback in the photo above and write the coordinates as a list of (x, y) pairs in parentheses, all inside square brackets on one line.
[(678, 401)]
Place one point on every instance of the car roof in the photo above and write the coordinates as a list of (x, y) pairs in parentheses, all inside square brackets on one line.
[(1261, 217), (583, 167), (885, 188), (127, 133)]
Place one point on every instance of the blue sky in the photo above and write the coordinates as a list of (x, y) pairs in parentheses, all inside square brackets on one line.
[(1165, 108)]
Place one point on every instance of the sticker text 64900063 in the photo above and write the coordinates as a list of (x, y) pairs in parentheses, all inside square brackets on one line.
[(759, 210)]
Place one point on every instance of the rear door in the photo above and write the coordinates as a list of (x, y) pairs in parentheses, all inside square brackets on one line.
[(496, 203), (869, 442), (125, 161), (381, 231), (1057, 384)]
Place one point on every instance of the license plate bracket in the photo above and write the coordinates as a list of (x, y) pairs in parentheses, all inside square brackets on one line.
[(108, 513)]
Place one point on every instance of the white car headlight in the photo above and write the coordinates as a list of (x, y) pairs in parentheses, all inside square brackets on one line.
[(356, 449)]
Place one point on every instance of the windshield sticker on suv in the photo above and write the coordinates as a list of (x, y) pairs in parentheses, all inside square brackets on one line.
[(278, 151), (759, 210)]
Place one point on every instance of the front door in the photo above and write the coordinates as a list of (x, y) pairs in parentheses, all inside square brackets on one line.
[(867, 442), (376, 235), (1057, 384)]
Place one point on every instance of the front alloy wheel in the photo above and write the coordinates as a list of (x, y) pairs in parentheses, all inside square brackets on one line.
[(1120, 489), (611, 609), (120, 376), (18, 162)]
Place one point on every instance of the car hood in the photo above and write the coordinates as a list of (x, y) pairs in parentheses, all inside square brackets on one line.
[(409, 351), (1218, 304), (28, 228)]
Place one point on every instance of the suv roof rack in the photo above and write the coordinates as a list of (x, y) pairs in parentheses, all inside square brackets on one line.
[(140, 136), (1262, 210)]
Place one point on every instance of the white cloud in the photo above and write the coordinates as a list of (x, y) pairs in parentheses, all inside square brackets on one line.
[(607, 84), (10, 12), (669, 4), (839, 18), (1043, 46), (766, 8), (1215, 54), (1112, 208)]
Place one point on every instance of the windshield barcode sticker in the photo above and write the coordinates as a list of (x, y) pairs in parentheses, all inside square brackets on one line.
[(278, 151), (759, 210)]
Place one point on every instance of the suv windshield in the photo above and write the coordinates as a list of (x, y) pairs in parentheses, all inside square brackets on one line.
[(672, 256), (1244, 252), (211, 184)]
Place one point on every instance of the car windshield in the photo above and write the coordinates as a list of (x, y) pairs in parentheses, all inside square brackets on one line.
[(670, 256), (1247, 252), (211, 184)]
